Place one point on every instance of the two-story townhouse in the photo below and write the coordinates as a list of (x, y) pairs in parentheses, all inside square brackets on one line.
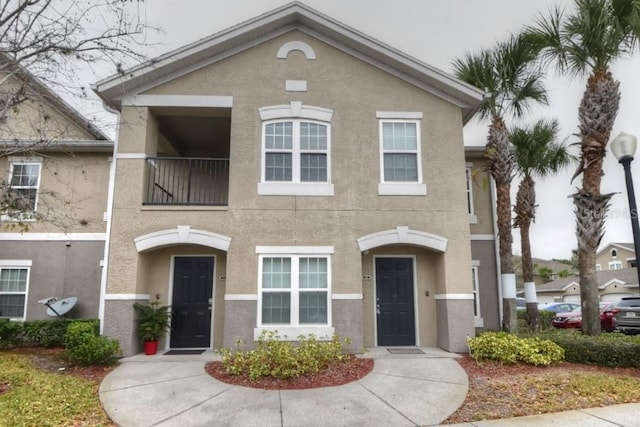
[(293, 174), (59, 165), (615, 256)]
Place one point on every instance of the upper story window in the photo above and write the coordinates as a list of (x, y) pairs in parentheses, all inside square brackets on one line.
[(615, 265), (400, 154), (598, 267), (614, 253), (24, 180), (296, 151)]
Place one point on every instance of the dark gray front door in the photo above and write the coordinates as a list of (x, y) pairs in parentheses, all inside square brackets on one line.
[(394, 294), (191, 306)]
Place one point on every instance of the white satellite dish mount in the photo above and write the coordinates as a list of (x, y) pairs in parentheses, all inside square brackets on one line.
[(56, 307)]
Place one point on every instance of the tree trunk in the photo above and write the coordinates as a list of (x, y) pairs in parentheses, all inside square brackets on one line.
[(500, 167), (525, 212), (597, 113)]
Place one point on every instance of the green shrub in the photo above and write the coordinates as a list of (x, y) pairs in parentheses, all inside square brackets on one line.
[(273, 357), (546, 319), (51, 333), (612, 350), (85, 347), (509, 348), (9, 332)]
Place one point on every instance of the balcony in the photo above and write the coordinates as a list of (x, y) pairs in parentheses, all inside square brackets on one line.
[(186, 181)]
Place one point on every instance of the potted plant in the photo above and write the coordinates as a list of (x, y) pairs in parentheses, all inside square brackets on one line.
[(153, 322)]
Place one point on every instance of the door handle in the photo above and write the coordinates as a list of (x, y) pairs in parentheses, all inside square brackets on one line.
[(377, 308)]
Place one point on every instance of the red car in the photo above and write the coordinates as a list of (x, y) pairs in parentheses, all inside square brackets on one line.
[(573, 319)]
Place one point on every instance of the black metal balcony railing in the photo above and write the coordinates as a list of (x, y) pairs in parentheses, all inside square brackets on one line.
[(186, 181)]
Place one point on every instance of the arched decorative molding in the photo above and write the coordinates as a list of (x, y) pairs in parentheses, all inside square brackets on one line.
[(612, 282), (295, 109), (183, 234), (307, 50), (403, 235)]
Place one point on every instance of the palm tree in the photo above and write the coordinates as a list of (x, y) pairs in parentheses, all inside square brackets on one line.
[(510, 83), (582, 42), (537, 155)]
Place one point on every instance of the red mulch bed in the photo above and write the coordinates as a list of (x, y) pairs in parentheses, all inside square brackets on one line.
[(337, 373)]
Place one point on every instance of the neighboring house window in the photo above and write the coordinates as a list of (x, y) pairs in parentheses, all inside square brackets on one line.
[(24, 180), (632, 263), (14, 281), (473, 219), (296, 151), (615, 265), (476, 295), (554, 277), (400, 154), (598, 267), (614, 253), (295, 290)]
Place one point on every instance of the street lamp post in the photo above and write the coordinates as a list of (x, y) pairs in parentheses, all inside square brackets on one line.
[(624, 147)]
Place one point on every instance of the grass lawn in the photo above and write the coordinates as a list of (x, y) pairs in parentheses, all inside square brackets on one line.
[(30, 396)]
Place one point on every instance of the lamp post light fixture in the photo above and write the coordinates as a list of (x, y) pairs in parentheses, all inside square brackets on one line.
[(624, 147)]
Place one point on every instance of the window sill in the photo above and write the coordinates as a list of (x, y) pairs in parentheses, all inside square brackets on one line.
[(402, 189), (291, 333), (295, 189)]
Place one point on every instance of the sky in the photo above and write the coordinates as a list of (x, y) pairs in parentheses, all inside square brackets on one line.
[(436, 32)]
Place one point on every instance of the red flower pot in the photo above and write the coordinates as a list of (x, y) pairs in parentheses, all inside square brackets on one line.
[(150, 347)]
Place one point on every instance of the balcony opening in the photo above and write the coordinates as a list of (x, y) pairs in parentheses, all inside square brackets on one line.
[(192, 162)]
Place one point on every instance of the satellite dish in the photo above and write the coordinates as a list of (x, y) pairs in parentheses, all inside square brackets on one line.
[(61, 307)]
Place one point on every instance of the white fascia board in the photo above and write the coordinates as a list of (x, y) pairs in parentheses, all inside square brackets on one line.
[(201, 101)]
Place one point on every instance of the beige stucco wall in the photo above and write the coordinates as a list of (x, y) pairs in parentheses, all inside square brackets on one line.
[(354, 91)]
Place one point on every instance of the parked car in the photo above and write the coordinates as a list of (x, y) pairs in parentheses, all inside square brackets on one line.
[(627, 315), (558, 307), (573, 319), (521, 303)]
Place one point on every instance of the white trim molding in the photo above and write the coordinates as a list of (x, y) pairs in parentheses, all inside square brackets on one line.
[(402, 189), (15, 263), (121, 156), (402, 235), (206, 101), (43, 237), (347, 296), (487, 237), (399, 115), (291, 333), (295, 109), (295, 189), (241, 297), (302, 250), (295, 85), (454, 296), (291, 46), (126, 297), (183, 234)]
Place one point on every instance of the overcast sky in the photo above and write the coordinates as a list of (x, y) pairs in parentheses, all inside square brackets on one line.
[(436, 32)]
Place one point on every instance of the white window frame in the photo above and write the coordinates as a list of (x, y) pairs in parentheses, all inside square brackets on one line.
[(294, 329), (473, 219), (475, 266), (295, 112), (22, 265), (28, 161), (400, 188), (598, 267), (615, 265)]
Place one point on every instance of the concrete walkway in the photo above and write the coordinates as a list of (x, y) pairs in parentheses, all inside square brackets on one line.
[(402, 390)]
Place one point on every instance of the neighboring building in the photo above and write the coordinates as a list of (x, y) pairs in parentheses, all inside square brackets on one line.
[(615, 256), (60, 164), (543, 270), (612, 285), (293, 174)]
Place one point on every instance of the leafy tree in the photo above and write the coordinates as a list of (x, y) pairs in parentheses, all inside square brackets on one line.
[(537, 155), (43, 45), (585, 41), (506, 73), (545, 273)]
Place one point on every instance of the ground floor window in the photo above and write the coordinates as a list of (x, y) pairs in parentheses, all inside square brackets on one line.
[(295, 288), (13, 291), (476, 299)]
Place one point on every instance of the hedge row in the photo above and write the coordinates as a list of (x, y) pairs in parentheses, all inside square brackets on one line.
[(606, 349), (45, 333)]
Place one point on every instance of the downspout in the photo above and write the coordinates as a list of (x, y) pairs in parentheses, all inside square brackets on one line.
[(107, 240), (496, 241)]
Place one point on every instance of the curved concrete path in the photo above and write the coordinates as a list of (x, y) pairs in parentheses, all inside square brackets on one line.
[(402, 390)]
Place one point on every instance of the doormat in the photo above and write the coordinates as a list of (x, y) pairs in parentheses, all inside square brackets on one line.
[(405, 351), (173, 352)]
